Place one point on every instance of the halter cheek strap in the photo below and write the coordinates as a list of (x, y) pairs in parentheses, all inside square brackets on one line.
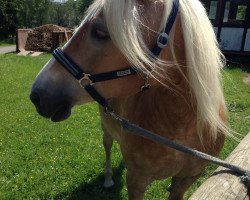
[(79, 74), (163, 38), (87, 80)]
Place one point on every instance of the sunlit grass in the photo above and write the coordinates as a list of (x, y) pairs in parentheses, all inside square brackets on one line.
[(44, 160)]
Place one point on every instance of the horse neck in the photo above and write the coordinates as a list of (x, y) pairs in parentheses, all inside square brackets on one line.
[(168, 105), (157, 109)]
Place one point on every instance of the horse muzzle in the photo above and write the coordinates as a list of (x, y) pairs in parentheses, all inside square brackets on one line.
[(55, 107)]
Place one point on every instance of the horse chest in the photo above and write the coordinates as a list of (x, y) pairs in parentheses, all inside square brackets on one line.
[(143, 154)]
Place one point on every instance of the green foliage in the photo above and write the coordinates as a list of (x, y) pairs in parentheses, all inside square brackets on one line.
[(32, 13), (8, 17), (44, 160), (66, 14), (84, 4), (7, 42), (241, 12)]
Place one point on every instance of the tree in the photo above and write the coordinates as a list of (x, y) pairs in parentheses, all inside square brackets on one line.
[(8, 18), (70, 13), (41, 10), (83, 5), (60, 13), (74, 16), (33, 12)]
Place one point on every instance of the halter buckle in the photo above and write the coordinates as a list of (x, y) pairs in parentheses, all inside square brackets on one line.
[(85, 80), (162, 40)]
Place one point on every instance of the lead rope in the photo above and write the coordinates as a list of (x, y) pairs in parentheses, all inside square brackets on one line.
[(137, 130)]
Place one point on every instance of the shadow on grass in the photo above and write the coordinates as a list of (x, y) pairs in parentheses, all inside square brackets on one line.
[(232, 64), (94, 189)]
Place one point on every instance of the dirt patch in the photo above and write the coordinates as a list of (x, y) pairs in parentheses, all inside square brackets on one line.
[(246, 79), (40, 38)]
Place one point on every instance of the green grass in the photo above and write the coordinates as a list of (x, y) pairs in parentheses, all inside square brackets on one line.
[(44, 160), (7, 42)]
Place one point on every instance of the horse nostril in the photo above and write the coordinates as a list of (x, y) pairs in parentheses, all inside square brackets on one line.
[(34, 97)]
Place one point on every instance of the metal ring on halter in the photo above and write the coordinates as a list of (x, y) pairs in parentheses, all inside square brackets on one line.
[(164, 36), (146, 83), (85, 80)]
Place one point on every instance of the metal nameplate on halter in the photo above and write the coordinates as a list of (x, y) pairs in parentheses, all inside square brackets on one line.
[(123, 73), (162, 36), (85, 80)]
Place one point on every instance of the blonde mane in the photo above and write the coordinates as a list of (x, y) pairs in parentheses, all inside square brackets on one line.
[(203, 57)]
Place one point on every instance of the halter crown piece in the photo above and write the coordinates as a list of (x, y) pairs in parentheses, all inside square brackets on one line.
[(87, 80)]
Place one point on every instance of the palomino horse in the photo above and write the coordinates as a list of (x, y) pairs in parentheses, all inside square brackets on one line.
[(174, 92)]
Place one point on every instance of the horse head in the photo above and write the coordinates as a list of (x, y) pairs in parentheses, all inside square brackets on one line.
[(97, 48)]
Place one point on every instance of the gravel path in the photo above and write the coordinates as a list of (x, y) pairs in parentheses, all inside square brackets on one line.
[(7, 49)]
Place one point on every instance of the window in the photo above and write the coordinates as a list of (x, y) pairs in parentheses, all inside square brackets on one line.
[(213, 10), (231, 38), (235, 11), (241, 13), (247, 43)]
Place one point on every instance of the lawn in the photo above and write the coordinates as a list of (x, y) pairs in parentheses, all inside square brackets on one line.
[(7, 42), (44, 160)]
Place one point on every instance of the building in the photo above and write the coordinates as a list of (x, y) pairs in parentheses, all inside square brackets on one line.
[(231, 21)]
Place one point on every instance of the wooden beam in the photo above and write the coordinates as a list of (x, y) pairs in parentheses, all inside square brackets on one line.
[(225, 186)]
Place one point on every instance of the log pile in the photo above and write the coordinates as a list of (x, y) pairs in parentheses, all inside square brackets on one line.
[(40, 38)]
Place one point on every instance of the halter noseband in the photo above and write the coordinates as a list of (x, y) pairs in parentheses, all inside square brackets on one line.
[(87, 80)]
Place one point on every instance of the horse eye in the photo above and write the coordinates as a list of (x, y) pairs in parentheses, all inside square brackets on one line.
[(100, 34)]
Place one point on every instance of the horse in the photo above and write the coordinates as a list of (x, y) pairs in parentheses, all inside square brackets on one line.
[(175, 93)]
